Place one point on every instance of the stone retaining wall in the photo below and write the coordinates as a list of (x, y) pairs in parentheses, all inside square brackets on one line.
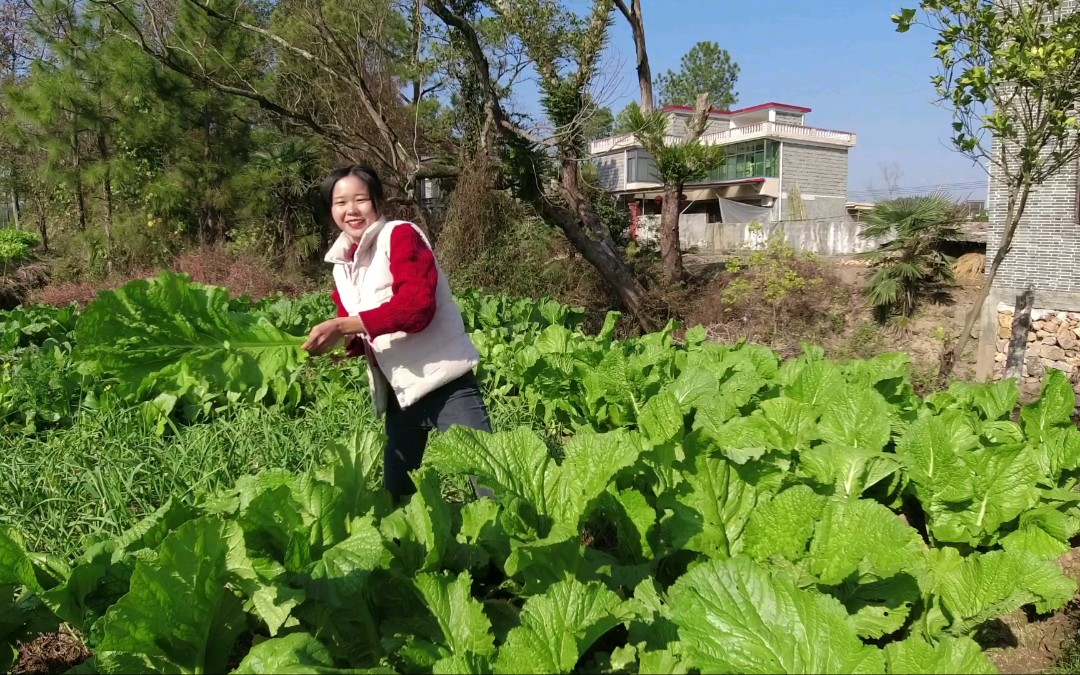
[(1053, 342)]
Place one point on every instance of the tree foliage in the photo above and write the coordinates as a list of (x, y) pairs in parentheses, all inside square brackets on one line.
[(705, 69), (911, 262), (1010, 72)]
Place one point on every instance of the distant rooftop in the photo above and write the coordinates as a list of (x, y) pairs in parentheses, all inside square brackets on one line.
[(740, 111)]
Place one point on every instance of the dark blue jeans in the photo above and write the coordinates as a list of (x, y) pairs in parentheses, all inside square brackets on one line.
[(455, 403)]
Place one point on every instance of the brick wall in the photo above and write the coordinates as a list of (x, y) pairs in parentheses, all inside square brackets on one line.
[(612, 170), (1046, 247), (820, 172), (676, 124)]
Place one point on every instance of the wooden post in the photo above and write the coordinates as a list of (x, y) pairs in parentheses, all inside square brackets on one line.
[(1021, 326)]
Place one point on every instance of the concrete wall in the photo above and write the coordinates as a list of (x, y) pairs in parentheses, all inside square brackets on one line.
[(827, 237), (822, 176)]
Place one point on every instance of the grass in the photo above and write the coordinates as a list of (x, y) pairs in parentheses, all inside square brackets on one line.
[(100, 476), (66, 488)]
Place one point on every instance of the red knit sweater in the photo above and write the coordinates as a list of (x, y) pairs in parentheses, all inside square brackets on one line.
[(412, 306)]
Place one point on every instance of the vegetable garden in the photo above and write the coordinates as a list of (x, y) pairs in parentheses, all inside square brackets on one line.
[(665, 504)]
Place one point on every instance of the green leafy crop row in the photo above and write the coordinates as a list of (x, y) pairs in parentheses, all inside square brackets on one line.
[(709, 508)]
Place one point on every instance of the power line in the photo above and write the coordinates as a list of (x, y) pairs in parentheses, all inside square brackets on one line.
[(919, 189)]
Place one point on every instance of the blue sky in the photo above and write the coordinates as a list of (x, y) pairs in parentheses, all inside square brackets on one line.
[(842, 58)]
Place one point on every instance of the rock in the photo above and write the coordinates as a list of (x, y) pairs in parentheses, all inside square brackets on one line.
[(1038, 325), (1032, 337), (999, 357), (1077, 331), (1004, 319), (1002, 345), (1033, 367), (1073, 361), (1030, 389), (1066, 340), (1051, 353), (1063, 316), (1049, 340), (1062, 366), (1004, 332)]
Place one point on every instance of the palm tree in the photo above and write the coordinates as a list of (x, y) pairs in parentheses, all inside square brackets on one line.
[(911, 263)]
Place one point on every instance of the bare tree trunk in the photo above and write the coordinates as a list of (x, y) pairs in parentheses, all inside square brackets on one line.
[(1012, 220), (15, 206), (1021, 325), (637, 25), (606, 260), (106, 188), (80, 198), (15, 195), (42, 227), (670, 253)]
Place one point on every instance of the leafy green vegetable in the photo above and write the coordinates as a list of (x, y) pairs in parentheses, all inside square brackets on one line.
[(174, 337), (735, 617)]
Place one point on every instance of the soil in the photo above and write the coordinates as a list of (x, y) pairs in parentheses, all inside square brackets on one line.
[(861, 336), (51, 653)]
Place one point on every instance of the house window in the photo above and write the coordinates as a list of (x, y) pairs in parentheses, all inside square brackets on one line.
[(640, 168), (753, 159)]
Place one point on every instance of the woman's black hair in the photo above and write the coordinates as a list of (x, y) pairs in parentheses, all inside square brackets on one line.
[(367, 176)]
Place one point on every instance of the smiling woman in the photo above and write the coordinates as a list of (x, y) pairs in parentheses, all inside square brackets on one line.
[(396, 309)]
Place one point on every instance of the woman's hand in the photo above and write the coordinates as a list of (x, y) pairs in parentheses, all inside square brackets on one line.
[(325, 336)]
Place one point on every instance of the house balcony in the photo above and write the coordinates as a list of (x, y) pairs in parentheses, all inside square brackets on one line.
[(751, 132)]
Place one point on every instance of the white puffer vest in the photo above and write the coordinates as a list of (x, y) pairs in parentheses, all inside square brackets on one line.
[(411, 365)]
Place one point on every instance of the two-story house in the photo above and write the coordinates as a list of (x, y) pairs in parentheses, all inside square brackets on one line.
[(774, 161)]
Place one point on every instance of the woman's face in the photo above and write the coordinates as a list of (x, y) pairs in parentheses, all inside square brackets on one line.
[(352, 207)]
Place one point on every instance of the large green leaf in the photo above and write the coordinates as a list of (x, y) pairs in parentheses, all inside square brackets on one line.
[(736, 617), (516, 464), (1054, 407), (858, 419), (338, 593), (711, 510), (295, 653), (179, 616), (168, 335), (353, 467), (21, 613), (983, 586), (421, 529), (816, 384), (933, 449), (948, 655), (849, 471), (466, 630), (1002, 486), (558, 627), (863, 537), (783, 526)]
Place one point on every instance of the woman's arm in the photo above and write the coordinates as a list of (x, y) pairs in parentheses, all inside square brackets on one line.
[(415, 281)]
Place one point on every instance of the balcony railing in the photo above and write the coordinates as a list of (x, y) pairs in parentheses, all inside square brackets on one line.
[(780, 130), (738, 134)]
